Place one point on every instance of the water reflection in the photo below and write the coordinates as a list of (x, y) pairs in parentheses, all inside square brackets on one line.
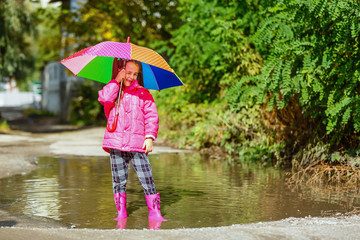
[(195, 192), (154, 224), (39, 191), (121, 224)]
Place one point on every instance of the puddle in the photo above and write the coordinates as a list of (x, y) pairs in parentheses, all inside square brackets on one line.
[(195, 192)]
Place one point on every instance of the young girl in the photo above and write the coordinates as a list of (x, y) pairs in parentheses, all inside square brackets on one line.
[(132, 127)]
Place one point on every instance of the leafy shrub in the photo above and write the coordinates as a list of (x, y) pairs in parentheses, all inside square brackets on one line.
[(212, 125), (4, 126), (312, 56), (37, 113), (85, 108), (212, 51)]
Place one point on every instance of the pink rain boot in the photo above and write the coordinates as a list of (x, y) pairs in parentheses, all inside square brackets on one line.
[(153, 203), (120, 203)]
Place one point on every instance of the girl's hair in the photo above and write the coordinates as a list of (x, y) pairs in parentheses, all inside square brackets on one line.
[(119, 64)]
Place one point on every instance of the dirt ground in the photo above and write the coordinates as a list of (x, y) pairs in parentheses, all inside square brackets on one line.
[(20, 150)]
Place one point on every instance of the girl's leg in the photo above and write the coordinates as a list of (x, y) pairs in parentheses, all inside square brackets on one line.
[(119, 169), (142, 167)]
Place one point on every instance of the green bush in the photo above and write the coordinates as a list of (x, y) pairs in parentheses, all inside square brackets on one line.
[(212, 51), (4, 126), (37, 113), (210, 125), (311, 51), (212, 54), (85, 108)]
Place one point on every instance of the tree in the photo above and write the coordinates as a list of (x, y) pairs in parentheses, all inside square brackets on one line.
[(47, 45), (211, 48), (15, 27), (144, 21)]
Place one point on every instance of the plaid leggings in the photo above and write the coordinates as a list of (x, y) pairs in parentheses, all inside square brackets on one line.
[(119, 168)]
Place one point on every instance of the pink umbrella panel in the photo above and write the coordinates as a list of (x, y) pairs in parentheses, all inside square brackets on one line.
[(96, 63)]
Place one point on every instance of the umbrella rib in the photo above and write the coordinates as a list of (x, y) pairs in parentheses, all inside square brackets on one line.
[(154, 77), (178, 78)]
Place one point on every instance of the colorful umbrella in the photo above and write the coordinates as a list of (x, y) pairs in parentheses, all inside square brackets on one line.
[(96, 63)]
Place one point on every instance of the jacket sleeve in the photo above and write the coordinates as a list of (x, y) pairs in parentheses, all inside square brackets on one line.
[(151, 117), (108, 95)]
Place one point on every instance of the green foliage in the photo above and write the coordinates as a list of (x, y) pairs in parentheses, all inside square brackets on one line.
[(212, 53), (85, 109), (211, 49), (29, 38), (15, 29), (4, 126), (48, 40), (37, 113), (210, 125), (101, 20), (298, 58), (311, 50)]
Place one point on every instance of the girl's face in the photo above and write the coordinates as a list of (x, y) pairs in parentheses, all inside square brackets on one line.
[(131, 73)]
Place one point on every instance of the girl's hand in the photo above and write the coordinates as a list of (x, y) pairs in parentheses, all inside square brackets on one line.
[(120, 76), (148, 145)]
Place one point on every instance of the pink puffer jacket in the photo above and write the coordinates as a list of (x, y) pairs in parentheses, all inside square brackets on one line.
[(138, 118)]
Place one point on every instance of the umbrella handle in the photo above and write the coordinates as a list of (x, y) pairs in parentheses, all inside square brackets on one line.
[(111, 128), (114, 125)]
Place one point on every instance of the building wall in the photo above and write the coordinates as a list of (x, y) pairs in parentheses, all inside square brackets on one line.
[(57, 90)]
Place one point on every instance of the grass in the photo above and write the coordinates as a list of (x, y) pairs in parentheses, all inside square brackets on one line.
[(4, 126)]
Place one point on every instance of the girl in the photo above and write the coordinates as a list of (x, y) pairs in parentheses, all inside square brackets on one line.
[(132, 127)]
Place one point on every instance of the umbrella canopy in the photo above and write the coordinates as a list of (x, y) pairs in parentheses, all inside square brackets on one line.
[(96, 63)]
